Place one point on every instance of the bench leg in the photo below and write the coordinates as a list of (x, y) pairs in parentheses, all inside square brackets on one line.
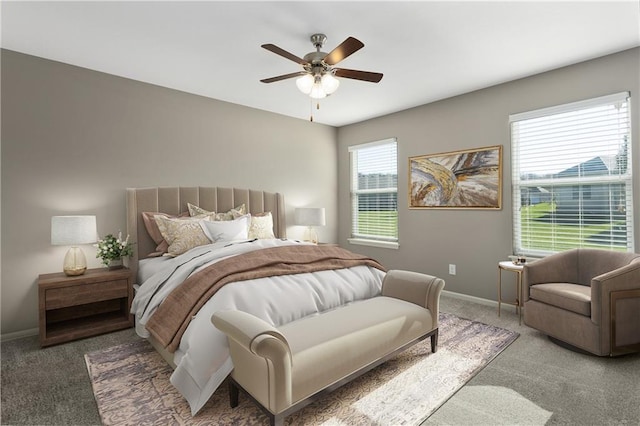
[(277, 420), (234, 392), (434, 342)]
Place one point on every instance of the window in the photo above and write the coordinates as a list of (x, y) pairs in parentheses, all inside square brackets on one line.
[(572, 180), (374, 194)]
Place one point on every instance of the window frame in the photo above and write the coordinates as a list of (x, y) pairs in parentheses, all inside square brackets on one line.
[(581, 184), (355, 192)]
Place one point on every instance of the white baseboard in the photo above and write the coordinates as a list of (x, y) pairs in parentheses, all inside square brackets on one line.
[(479, 300), (19, 334)]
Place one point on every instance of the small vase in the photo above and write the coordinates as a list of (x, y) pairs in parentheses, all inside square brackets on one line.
[(115, 264)]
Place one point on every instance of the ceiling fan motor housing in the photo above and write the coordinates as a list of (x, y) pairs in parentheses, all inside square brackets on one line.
[(318, 40), (316, 65)]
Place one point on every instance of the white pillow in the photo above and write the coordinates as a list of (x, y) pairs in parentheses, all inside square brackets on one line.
[(227, 230)]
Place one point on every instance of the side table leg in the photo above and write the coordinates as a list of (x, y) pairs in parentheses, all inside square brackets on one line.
[(499, 289), (519, 297)]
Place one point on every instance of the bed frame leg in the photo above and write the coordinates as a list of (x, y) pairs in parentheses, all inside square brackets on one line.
[(234, 393), (434, 341)]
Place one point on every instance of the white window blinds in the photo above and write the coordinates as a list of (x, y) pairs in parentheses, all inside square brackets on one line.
[(572, 177), (374, 191)]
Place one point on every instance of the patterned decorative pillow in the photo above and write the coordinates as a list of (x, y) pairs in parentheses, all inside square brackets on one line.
[(152, 228), (235, 213), (226, 230), (261, 226), (182, 234)]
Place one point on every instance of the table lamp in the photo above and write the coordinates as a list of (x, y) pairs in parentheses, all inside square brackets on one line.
[(73, 231), (310, 217)]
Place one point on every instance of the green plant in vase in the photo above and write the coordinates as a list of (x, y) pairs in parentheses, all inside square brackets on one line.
[(112, 250)]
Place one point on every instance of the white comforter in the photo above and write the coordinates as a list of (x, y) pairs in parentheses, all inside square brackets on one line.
[(202, 359)]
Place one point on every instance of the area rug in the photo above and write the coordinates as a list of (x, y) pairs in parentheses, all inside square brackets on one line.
[(131, 384)]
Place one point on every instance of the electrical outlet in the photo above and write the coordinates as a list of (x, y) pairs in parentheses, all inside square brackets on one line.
[(452, 269)]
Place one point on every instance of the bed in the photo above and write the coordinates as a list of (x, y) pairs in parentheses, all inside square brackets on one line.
[(196, 350)]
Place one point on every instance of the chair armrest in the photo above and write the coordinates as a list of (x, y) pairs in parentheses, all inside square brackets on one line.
[(624, 278), (260, 338), (422, 289)]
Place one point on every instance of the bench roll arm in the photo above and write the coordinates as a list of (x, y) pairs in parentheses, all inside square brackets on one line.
[(261, 339), (422, 289)]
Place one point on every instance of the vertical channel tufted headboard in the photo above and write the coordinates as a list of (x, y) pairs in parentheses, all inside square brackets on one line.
[(173, 200)]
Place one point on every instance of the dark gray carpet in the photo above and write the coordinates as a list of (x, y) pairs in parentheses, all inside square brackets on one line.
[(534, 381), (51, 386), (533, 376)]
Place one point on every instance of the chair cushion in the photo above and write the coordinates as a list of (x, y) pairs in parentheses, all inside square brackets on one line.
[(571, 297)]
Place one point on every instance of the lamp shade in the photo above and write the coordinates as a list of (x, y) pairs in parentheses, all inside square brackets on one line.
[(329, 83), (317, 91), (309, 216), (305, 83), (73, 230)]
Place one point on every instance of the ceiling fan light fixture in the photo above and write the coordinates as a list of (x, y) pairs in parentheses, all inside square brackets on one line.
[(329, 83), (317, 87), (305, 83), (317, 91)]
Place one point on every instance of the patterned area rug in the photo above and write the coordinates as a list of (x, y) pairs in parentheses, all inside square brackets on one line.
[(131, 384)]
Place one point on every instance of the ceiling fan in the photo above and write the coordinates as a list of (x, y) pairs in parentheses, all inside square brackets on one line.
[(317, 77)]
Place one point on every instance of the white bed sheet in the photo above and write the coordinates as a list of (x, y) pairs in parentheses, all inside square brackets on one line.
[(149, 266), (202, 359)]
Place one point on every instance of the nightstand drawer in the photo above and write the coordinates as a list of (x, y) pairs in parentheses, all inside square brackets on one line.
[(86, 293)]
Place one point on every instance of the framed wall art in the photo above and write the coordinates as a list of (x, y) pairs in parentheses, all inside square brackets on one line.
[(462, 179)]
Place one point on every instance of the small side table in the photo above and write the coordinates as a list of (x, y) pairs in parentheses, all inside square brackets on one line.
[(85, 305), (508, 265)]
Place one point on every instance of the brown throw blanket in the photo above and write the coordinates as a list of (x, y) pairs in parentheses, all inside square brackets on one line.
[(172, 317)]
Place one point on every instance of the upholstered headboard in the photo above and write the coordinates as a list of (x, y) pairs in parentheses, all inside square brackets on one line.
[(173, 200)]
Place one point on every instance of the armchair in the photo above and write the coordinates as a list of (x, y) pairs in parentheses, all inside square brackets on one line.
[(587, 298)]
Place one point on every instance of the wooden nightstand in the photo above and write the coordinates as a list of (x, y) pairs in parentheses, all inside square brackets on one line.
[(71, 308)]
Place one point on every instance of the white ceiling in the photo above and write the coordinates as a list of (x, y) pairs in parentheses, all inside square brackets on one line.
[(427, 50)]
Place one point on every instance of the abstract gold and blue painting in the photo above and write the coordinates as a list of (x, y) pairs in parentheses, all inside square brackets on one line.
[(462, 179)]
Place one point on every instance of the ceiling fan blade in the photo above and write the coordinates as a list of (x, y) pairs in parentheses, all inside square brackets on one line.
[(372, 77), (283, 77), (346, 48), (279, 51)]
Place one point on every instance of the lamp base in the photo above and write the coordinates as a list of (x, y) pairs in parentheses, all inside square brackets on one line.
[(310, 235), (75, 263), (75, 272)]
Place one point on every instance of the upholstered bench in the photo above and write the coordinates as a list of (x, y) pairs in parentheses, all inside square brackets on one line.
[(284, 369)]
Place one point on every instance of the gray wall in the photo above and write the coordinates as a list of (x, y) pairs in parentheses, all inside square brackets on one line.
[(74, 139), (476, 240)]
